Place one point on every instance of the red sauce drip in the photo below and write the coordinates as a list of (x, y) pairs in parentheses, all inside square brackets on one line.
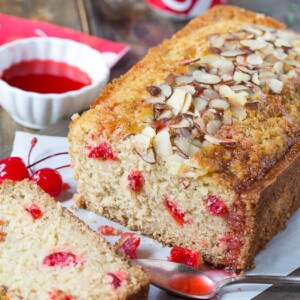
[(45, 77), (191, 284)]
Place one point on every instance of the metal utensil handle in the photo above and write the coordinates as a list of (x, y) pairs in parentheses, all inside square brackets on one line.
[(266, 279)]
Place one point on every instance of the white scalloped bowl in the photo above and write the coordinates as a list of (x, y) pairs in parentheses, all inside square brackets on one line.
[(35, 110)]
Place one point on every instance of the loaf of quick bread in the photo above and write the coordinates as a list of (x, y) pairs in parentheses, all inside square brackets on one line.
[(47, 253), (198, 144)]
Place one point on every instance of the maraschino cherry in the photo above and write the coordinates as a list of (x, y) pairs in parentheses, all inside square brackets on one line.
[(14, 168)]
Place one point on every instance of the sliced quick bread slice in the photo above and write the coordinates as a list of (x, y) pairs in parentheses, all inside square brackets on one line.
[(48, 253)]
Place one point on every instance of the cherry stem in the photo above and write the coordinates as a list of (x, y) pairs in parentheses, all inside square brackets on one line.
[(65, 166), (33, 143), (47, 157)]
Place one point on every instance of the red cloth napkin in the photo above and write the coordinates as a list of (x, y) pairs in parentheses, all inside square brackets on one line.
[(12, 28)]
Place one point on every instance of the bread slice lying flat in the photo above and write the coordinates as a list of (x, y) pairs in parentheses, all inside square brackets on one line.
[(47, 253)]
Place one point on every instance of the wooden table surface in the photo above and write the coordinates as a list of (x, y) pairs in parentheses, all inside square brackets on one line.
[(133, 23)]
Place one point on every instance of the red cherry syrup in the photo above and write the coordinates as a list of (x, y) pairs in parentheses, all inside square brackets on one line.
[(191, 284), (45, 77)]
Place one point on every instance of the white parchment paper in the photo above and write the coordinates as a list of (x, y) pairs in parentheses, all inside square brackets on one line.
[(281, 256)]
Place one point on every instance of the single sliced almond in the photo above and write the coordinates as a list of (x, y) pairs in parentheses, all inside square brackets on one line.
[(278, 67), (199, 103), (187, 61), (213, 126), (279, 54), (251, 105), (176, 101), (162, 144), (282, 43), (254, 59), (210, 94), (239, 87), (142, 142), (188, 88), (206, 78), (255, 79), (183, 123), (149, 131), (220, 141), (187, 103), (153, 90), (199, 124), (232, 53), (184, 79), (216, 41), (219, 104), (254, 44), (227, 92), (185, 146), (246, 70), (238, 111), (239, 77), (166, 114), (275, 85), (159, 99), (166, 90)]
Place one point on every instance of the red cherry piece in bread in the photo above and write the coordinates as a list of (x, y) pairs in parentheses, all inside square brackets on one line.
[(185, 256), (49, 180), (34, 211), (13, 168), (60, 259), (59, 295), (109, 230), (127, 244), (175, 211), (115, 279), (215, 206), (103, 150), (136, 181)]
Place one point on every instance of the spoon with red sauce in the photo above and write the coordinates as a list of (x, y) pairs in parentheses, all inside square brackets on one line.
[(190, 283)]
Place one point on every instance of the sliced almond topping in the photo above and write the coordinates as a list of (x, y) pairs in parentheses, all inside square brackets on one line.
[(162, 144), (187, 103), (227, 92), (184, 79), (238, 111), (177, 99), (148, 156), (268, 36), (166, 90), (153, 90), (166, 114), (219, 104), (254, 44), (254, 59), (279, 54), (239, 77), (213, 126), (187, 61), (282, 43), (200, 103), (220, 141), (232, 53), (239, 87), (149, 131), (159, 99), (188, 88), (199, 124), (217, 41), (278, 67), (142, 142), (246, 70), (255, 79), (223, 65), (275, 85), (269, 49), (183, 123), (185, 146), (206, 78)]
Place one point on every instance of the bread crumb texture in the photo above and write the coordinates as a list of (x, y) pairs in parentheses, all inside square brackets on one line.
[(47, 253)]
